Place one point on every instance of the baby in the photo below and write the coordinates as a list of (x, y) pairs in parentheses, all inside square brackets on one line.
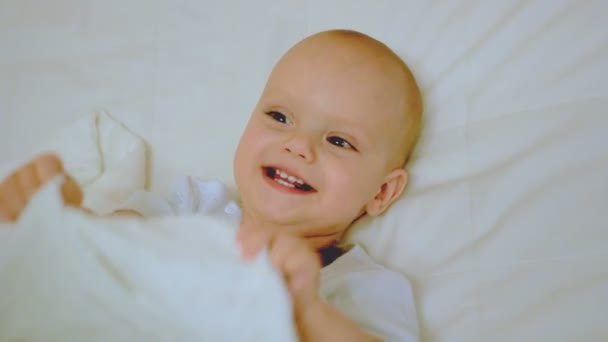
[(325, 145)]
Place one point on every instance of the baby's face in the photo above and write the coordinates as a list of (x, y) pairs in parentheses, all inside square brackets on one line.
[(317, 147)]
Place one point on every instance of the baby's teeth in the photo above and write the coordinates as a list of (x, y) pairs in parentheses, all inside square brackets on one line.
[(288, 177), (282, 182)]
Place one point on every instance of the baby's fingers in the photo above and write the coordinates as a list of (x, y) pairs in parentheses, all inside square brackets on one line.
[(296, 259)]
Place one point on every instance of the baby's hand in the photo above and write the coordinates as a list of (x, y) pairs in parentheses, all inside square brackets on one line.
[(293, 256)]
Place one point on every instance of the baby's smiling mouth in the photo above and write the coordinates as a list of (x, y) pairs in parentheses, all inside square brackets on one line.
[(287, 180)]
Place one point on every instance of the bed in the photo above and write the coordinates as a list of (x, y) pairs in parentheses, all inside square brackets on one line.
[(503, 229)]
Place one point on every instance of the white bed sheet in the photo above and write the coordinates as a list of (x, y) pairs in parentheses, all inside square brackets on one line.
[(504, 227)]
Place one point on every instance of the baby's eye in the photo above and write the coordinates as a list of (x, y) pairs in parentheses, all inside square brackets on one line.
[(340, 142), (277, 116)]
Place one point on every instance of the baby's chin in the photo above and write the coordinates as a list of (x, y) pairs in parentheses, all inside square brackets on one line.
[(281, 217), (265, 213), (292, 221)]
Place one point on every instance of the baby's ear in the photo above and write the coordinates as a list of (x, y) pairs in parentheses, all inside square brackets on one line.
[(390, 190)]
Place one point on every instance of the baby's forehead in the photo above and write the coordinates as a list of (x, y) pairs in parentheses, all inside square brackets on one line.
[(348, 71), (345, 48)]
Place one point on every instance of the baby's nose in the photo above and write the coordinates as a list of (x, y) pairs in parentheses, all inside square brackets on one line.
[(300, 147)]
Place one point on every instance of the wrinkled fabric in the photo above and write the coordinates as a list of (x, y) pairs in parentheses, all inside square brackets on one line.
[(67, 276)]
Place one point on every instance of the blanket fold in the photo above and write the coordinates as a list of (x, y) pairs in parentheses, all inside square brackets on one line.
[(67, 276)]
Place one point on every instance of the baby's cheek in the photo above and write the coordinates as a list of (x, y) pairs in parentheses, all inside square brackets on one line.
[(347, 192)]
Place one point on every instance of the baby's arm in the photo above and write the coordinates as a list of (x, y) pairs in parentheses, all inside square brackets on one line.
[(321, 322)]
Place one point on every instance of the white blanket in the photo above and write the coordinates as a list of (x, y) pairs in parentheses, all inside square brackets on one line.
[(67, 276)]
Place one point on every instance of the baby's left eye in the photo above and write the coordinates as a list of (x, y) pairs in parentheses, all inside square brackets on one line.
[(278, 116), (343, 143)]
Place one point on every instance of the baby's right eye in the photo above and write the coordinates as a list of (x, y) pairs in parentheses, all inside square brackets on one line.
[(278, 116)]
